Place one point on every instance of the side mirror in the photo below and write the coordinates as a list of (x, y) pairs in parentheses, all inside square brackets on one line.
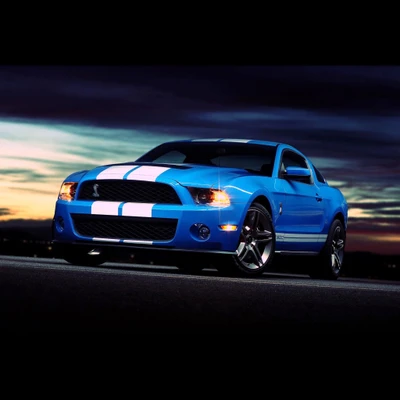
[(296, 173)]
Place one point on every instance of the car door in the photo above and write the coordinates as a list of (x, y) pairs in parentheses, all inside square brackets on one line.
[(301, 216)]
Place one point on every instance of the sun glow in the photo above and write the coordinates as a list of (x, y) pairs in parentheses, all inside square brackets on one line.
[(35, 158), (358, 213)]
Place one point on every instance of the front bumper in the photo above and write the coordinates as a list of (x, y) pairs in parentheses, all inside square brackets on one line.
[(185, 237)]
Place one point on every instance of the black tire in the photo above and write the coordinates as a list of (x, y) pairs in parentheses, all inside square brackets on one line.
[(79, 257), (256, 245), (329, 263)]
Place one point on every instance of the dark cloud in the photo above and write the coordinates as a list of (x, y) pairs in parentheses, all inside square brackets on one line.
[(5, 211), (375, 225), (38, 191), (54, 167), (349, 113), (376, 205), (24, 175), (164, 95), (343, 112), (390, 213), (61, 94)]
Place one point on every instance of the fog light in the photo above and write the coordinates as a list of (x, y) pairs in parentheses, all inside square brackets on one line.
[(204, 232), (200, 231)]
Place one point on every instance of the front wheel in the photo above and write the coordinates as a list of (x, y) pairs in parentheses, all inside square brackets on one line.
[(328, 265), (256, 246)]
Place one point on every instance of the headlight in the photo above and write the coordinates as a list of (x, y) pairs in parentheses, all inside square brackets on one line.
[(211, 197), (67, 191)]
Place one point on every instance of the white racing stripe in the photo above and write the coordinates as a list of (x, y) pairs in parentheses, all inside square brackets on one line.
[(205, 140), (115, 172), (137, 241), (322, 238), (301, 237), (137, 209), (105, 207), (147, 173), (236, 140), (105, 240), (302, 240)]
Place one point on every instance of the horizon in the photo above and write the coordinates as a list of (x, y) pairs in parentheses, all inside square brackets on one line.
[(55, 120)]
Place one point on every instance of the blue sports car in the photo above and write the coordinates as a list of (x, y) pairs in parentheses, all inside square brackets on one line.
[(228, 203)]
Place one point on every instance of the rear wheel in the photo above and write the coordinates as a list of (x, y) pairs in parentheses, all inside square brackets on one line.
[(328, 265), (256, 246)]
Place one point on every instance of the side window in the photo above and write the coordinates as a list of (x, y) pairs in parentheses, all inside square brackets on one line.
[(255, 163), (291, 159), (320, 177), (171, 157)]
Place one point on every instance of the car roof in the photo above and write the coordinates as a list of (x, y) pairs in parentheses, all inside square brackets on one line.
[(234, 140)]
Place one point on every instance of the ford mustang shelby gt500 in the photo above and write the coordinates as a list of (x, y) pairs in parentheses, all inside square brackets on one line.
[(229, 203)]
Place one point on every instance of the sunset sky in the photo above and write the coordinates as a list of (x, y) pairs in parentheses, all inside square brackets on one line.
[(55, 120)]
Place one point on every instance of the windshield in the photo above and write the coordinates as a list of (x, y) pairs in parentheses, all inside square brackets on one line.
[(252, 157)]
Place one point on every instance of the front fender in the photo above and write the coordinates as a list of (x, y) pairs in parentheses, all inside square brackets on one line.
[(242, 199)]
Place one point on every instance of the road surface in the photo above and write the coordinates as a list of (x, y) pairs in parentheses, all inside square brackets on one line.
[(52, 296)]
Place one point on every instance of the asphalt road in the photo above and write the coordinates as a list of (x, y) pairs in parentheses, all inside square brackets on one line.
[(51, 296)]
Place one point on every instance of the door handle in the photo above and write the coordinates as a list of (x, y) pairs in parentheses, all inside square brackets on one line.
[(318, 197)]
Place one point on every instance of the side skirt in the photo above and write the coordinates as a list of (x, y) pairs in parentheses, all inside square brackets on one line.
[(296, 253)]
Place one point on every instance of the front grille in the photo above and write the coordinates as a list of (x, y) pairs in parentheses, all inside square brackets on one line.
[(134, 228), (128, 191)]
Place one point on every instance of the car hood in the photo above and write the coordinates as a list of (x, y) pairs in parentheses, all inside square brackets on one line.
[(184, 174)]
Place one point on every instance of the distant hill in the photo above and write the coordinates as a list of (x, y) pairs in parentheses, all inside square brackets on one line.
[(26, 229)]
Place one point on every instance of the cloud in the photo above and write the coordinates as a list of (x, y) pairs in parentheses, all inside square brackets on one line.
[(376, 205), (340, 112), (5, 211), (118, 96), (388, 226), (24, 175), (87, 99)]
